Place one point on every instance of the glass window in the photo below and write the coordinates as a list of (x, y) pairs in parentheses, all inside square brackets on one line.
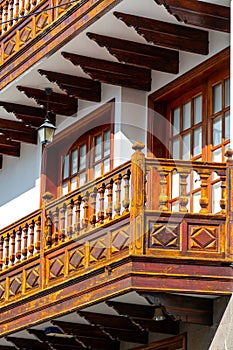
[(217, 98)]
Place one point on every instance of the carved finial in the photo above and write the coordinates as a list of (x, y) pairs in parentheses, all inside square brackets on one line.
[(229, 155), (138, 146)]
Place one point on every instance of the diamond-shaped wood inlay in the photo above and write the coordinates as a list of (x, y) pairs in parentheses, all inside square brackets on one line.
[(2, 290), (15, 285), (165, 236), (41, 21), (76, 259), (98, 250), (32, 278), (57, 267), (10, 47), (63, 8), (24, 35), (203, 238), (120, 240)]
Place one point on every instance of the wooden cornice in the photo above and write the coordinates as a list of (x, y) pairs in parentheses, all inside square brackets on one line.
[(112, 72), (170, 35), (33, 116), (79, 87), (58, 103), (148, 56), (198, 13), (118, 327)]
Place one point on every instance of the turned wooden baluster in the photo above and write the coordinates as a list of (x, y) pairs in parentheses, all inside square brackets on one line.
[(163, 198), (204, 200), (1, 252), (109, 209), (11, 12), (34, 2), (55, 225), (25, 242), (12, 244), (28, 5), (126, 201), (77, 212), (85, 211), (31, 238), (183, 199), (62, 232), (117, 206), (223, 194), (5, 25), (22, 8), (16, 10), (1, 19), (38, 235), (93, 195), (70, 207), (101, 191), (49, 225), (7, 240), (19, 241)]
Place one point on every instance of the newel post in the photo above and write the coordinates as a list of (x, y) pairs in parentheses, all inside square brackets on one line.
[(138, 196), (229, 178)]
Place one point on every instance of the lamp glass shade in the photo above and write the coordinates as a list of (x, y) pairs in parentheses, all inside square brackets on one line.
[(46, 132)]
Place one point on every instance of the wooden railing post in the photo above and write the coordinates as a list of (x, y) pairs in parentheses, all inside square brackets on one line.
[(229, 177), (138, 196)]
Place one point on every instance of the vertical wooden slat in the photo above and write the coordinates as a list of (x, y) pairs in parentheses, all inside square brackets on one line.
[(101, 191), (31, 238), (163, 198), (25, 242), (19, 243), (16, 9), (109, 209), (223, 194), (55, 225), (1, 252), (117, 206), (11, 10), (183, 199), (7, 240), (62, 231), (6, 7), (49, 240), (12, 247), (126, 200), (38, 235), (28, 6), (77, 203), (22, 8), (204, 200), (1, 19), (85, 210), (93, 195)]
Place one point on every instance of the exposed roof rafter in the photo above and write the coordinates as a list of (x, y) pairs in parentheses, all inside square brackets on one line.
[(169, 35), (79, 87), (57, 103), (112, 72), (198, 13), (148, 56)]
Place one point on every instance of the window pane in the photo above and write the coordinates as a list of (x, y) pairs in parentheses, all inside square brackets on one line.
[(196, 180), (106, 143), (73, 184), (227, 92), (197, 142), (176, 121), (74, 162), (186, 147), (97, 170), (217, 155), (106, 165), (176, 149), (216, 197), (82, 179), (65, 188), (227, 126), (175, 207), (66, 167), (186, 116), (197, 109), (196, 202), (217, 131), (83, 157), (217, 98), (98, 142)]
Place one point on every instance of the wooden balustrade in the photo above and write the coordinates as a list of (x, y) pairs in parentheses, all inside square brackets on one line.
[(20, 241), (89, 207), (166, 168)]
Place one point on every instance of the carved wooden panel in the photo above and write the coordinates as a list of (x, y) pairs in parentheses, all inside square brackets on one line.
[(203, 238), (25, 34), (32, 278), (120, 240), (56, 267), (76, 258), (2, 290), (41, 21), (98, 249), (165, 236), (15, 285)]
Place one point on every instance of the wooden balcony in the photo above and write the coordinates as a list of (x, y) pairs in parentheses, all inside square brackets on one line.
[(111, 232)]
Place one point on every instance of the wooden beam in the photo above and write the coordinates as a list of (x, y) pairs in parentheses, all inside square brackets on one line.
[(79, 87), (118, 327), (184, 308), (58, 103), (90, 336), (200, 14), (33, 116), (143, 55), (8, 147), (18, 131), (28, 344), (54, 341), (112, 72), (170, 35)]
